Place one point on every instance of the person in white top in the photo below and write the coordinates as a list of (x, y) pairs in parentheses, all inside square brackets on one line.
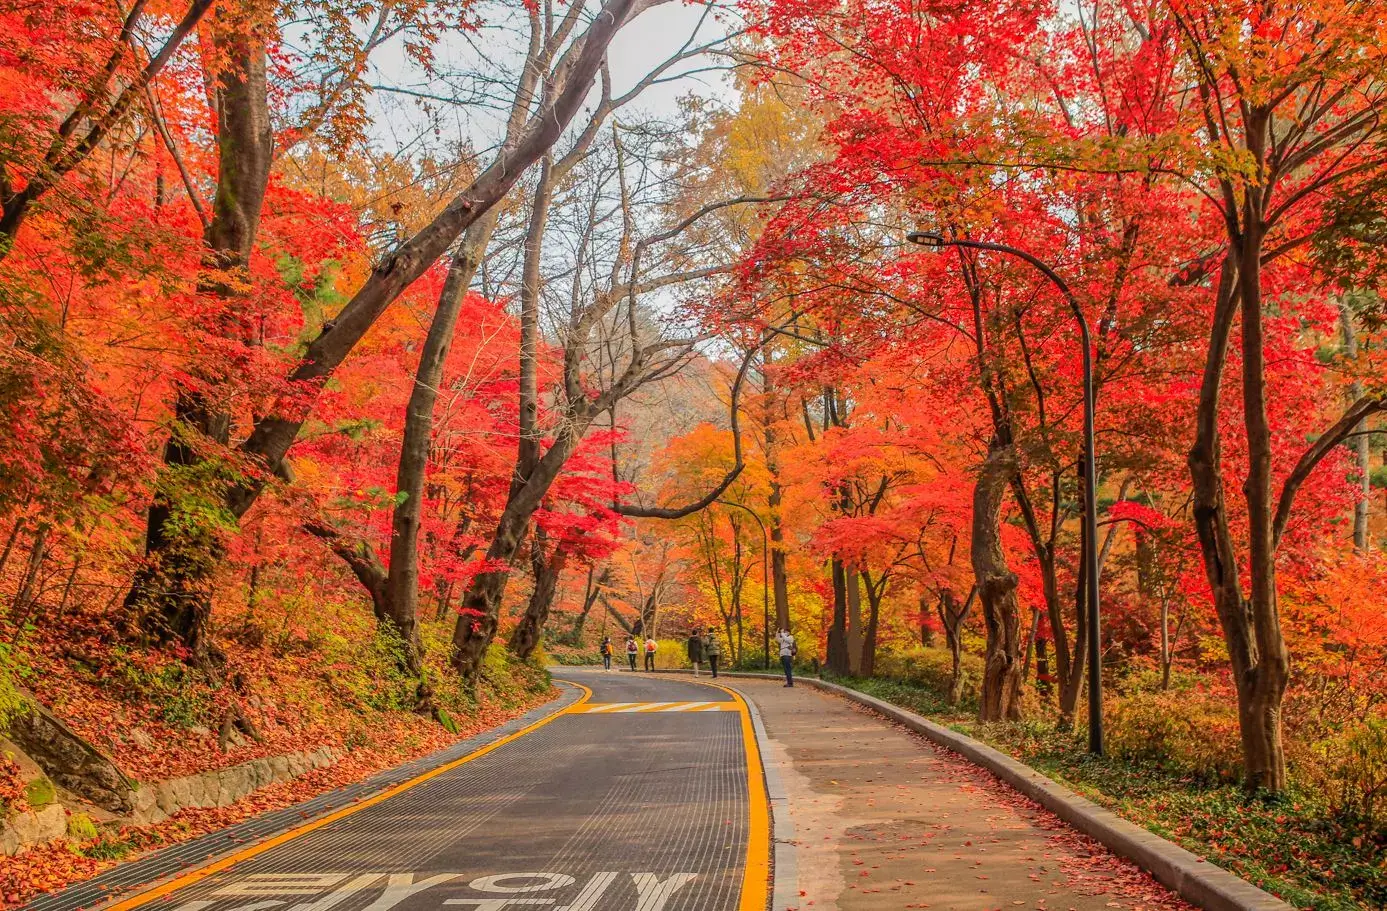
[(651, 646), (787, 655)]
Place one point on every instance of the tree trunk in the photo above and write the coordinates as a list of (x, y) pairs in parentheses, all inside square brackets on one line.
[(402, 582), (1166, 658), (952, 618), (480, 611), (1262, 686), (591, 592), (15, 529), (171, 594), (528, 633), (876, 590), (1030, 644), (1072, 684), (28, 594), (1001, 682), (1360, 445), (853, 584), (837, 658), (779, 580)]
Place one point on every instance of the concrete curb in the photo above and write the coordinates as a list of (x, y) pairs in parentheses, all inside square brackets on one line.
[(1191, 877), (784, 872)]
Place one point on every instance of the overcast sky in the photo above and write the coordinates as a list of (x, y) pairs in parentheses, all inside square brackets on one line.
[(401, 124)]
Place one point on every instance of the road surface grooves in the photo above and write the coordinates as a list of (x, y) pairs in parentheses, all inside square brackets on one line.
[(657, 804)]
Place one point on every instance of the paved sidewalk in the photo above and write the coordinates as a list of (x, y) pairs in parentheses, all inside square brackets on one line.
[(883, 819)]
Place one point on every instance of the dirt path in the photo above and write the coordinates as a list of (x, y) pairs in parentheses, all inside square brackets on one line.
[(886, 820)]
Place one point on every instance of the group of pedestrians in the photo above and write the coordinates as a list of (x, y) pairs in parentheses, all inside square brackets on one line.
[(702, 645), (632, 650)]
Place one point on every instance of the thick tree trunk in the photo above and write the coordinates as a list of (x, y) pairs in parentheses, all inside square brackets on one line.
[(171, 594), (528, 633), (1001, 684), (868, 662), (837, 659), (876, 591), (480, 611), (1261, 690)]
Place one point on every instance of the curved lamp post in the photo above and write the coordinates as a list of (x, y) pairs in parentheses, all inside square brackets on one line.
[(1090, 471), (765, 579)]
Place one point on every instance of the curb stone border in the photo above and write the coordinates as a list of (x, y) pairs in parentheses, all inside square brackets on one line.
[(1191, 877), (784, 865)]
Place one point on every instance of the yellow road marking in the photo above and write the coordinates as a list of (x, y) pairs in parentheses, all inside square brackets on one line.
[(757, 871), (649, 708), (194, 876)]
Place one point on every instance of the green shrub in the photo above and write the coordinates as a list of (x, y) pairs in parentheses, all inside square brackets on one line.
[(932, 669), (1190, 732), (672, 654), (81, 827), (12, 703), (1352, 774)]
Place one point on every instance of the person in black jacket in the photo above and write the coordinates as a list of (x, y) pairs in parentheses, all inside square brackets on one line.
[(695, 646)]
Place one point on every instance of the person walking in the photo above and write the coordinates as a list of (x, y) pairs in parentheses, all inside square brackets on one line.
[(631, 651), (712, 651), (607, 653), (695, 647), (787, 655), (650, 647)]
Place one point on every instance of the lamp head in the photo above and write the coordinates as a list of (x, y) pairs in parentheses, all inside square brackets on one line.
[(927, 239)]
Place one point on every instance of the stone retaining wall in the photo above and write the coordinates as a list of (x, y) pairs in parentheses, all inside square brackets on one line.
[(154, 802), (160, 800)]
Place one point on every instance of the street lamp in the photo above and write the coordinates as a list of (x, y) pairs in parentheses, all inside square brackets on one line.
[(765, 579), (1090, 471)]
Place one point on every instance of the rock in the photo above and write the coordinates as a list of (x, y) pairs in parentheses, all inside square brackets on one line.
[(197, 791), (164, 797), (144, 799), (182, 793), (200, 731), (139, 738), (32, 828), (261, 773), (71, 762), (9, 839), (279, 767)]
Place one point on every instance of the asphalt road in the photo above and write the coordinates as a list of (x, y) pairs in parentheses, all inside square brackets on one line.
[(640, 798)]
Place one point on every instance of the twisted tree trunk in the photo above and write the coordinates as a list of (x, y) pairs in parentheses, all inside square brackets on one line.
[(1001, 683)]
